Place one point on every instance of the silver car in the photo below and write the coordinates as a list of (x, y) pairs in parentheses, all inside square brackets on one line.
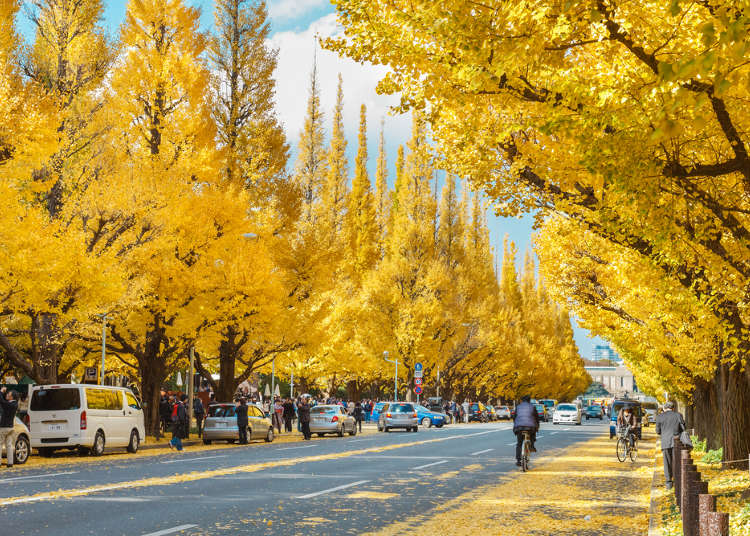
[(22, 448), (331, 420), (221, 424), (398, 415)]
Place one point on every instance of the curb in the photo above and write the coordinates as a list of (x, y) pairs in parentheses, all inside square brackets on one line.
[(654, 525)]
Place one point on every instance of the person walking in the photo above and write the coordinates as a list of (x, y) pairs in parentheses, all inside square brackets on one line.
[(358, 414), (465, 407), (303, 411), (288, 415), (165, 413), (278, 414), (241, 412), (9, 406), (668, 425), (177, 418), (200, 413)]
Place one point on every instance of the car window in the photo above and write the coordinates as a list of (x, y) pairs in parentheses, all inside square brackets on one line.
[(384, 408), (379, 405), (402, 408), (567, 407), (103, 399), (132, 401), (56, 399), (324, 409), (221, 411)]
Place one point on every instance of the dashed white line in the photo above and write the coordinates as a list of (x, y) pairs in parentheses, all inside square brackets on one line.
[(428, 465), (194, 459), (170, 531), (337, 488), (477, 453), (293, 448), (36, 476)]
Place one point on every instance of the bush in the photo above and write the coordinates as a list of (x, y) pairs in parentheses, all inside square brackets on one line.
[(713, 456), (699, 444)]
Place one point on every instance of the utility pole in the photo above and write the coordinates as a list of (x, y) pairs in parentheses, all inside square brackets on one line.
[(395, 377), (273, 381), (190, 388), (438, 382), (291, 387)]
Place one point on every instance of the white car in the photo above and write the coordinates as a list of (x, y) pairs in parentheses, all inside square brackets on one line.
[(22, 448), (567, 413), (84, 417), (503, 412)]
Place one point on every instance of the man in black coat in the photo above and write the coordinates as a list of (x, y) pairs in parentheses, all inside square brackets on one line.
[(288, 414), (303, 413), (199, 413), (668, 425), (9, 405), (241, 412), (165, 413)]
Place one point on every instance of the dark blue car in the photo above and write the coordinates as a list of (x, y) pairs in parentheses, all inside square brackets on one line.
[(428, 418)]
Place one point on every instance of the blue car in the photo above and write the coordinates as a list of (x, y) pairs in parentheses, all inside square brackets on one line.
[(429, 418), (376, 411), (615, 408)]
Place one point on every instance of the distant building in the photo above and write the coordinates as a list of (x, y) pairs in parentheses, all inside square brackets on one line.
[(618, 380), (605, 351)]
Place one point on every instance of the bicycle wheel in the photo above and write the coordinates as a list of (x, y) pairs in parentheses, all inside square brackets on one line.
[(525, 456), (622, 449), (634, 452)]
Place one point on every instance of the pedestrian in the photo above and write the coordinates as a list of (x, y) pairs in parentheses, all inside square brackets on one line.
[(9, 405), (241, 411), (177, 418), (465, 407), (199, 412), (165, 413), (358, 414), (669, 424), (278, 414), (303, 410), (288, 415)]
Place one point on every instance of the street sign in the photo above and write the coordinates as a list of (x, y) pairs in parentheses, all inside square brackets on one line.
[(417, 381), (417, 373), (89, 375), (418, 389), (418, 366)]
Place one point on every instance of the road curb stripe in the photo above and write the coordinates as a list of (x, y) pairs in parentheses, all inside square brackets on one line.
[(337, 488)]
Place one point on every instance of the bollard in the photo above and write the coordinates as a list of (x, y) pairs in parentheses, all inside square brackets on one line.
[(697, 487), (686, 464), (676, 473), (706, 505), (718, 524)]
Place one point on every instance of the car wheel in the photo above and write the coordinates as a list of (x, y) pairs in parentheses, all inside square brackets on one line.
[(134, 442), (98, 448), (340, 431), (386, 429), (354, 430), (83, 451), (269, 435), (22, 450), (206, 441), (415, 429), (380, 428), (426, 422), (439, 425), (230, 441)]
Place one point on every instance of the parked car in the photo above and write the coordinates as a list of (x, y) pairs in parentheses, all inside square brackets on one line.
[(478, 412), (22, 448), (84, 417), (221, 424), (435, 403), (428, 417), (398, 415), (377, 408), (541, 411), (331, 419), (548, 403), (503, 412), (491, 413), (594, 412), (566, 413), (650, 410), (615, 408)]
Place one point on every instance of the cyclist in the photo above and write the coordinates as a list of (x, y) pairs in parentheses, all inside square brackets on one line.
[(526, 420), (626, 421)]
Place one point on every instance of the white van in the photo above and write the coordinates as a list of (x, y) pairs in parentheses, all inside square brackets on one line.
[(84, 417)]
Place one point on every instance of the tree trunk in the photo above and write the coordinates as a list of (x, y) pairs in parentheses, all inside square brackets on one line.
[(703, 411), (734, 412), (227, 365), (153, 373)]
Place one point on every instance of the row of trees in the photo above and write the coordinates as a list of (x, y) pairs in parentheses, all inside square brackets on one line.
[(625, 126), (144, 183)]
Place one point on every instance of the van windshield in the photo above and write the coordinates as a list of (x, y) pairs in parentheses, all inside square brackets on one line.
[(56, 399)]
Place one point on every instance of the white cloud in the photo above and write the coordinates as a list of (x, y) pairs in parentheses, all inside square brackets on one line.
[(296, 51), (294, 8)]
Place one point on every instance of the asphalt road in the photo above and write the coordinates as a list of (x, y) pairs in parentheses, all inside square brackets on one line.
[(331, 486)]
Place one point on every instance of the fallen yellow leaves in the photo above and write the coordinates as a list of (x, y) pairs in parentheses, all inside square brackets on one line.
[(585, 491)]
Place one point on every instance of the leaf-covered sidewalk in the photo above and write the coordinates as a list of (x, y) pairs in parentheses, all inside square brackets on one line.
[(580, 491)]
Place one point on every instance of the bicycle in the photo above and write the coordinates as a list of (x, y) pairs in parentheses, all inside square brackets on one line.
[(627, 445), (525, 451)]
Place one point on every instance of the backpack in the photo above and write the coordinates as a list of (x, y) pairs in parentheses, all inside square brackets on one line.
[(174, 413)]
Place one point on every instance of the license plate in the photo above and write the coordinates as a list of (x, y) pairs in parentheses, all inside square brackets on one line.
[(55, 427)]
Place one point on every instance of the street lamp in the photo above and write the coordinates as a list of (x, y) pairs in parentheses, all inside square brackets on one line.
[(104, 345), (395, 377)]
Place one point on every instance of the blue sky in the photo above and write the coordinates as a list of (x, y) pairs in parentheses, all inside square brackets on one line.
[(295, 24)]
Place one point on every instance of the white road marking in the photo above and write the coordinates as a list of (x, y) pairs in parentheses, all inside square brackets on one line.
[(481, 452), (170, 531), (428, 465), (553, 433), (358, 440), (36, 476), (293, 448), (310, 495), (194, 459), (509, 444)]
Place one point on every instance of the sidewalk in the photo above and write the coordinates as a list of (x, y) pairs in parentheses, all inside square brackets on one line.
[(580, 491)]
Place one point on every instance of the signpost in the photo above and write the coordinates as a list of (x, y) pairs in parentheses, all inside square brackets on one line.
[(418, 379), (418, 390)]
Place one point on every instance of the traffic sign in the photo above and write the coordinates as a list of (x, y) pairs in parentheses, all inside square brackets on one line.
[(418, 389), (417, 381), (417, 373), (418, 366)]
